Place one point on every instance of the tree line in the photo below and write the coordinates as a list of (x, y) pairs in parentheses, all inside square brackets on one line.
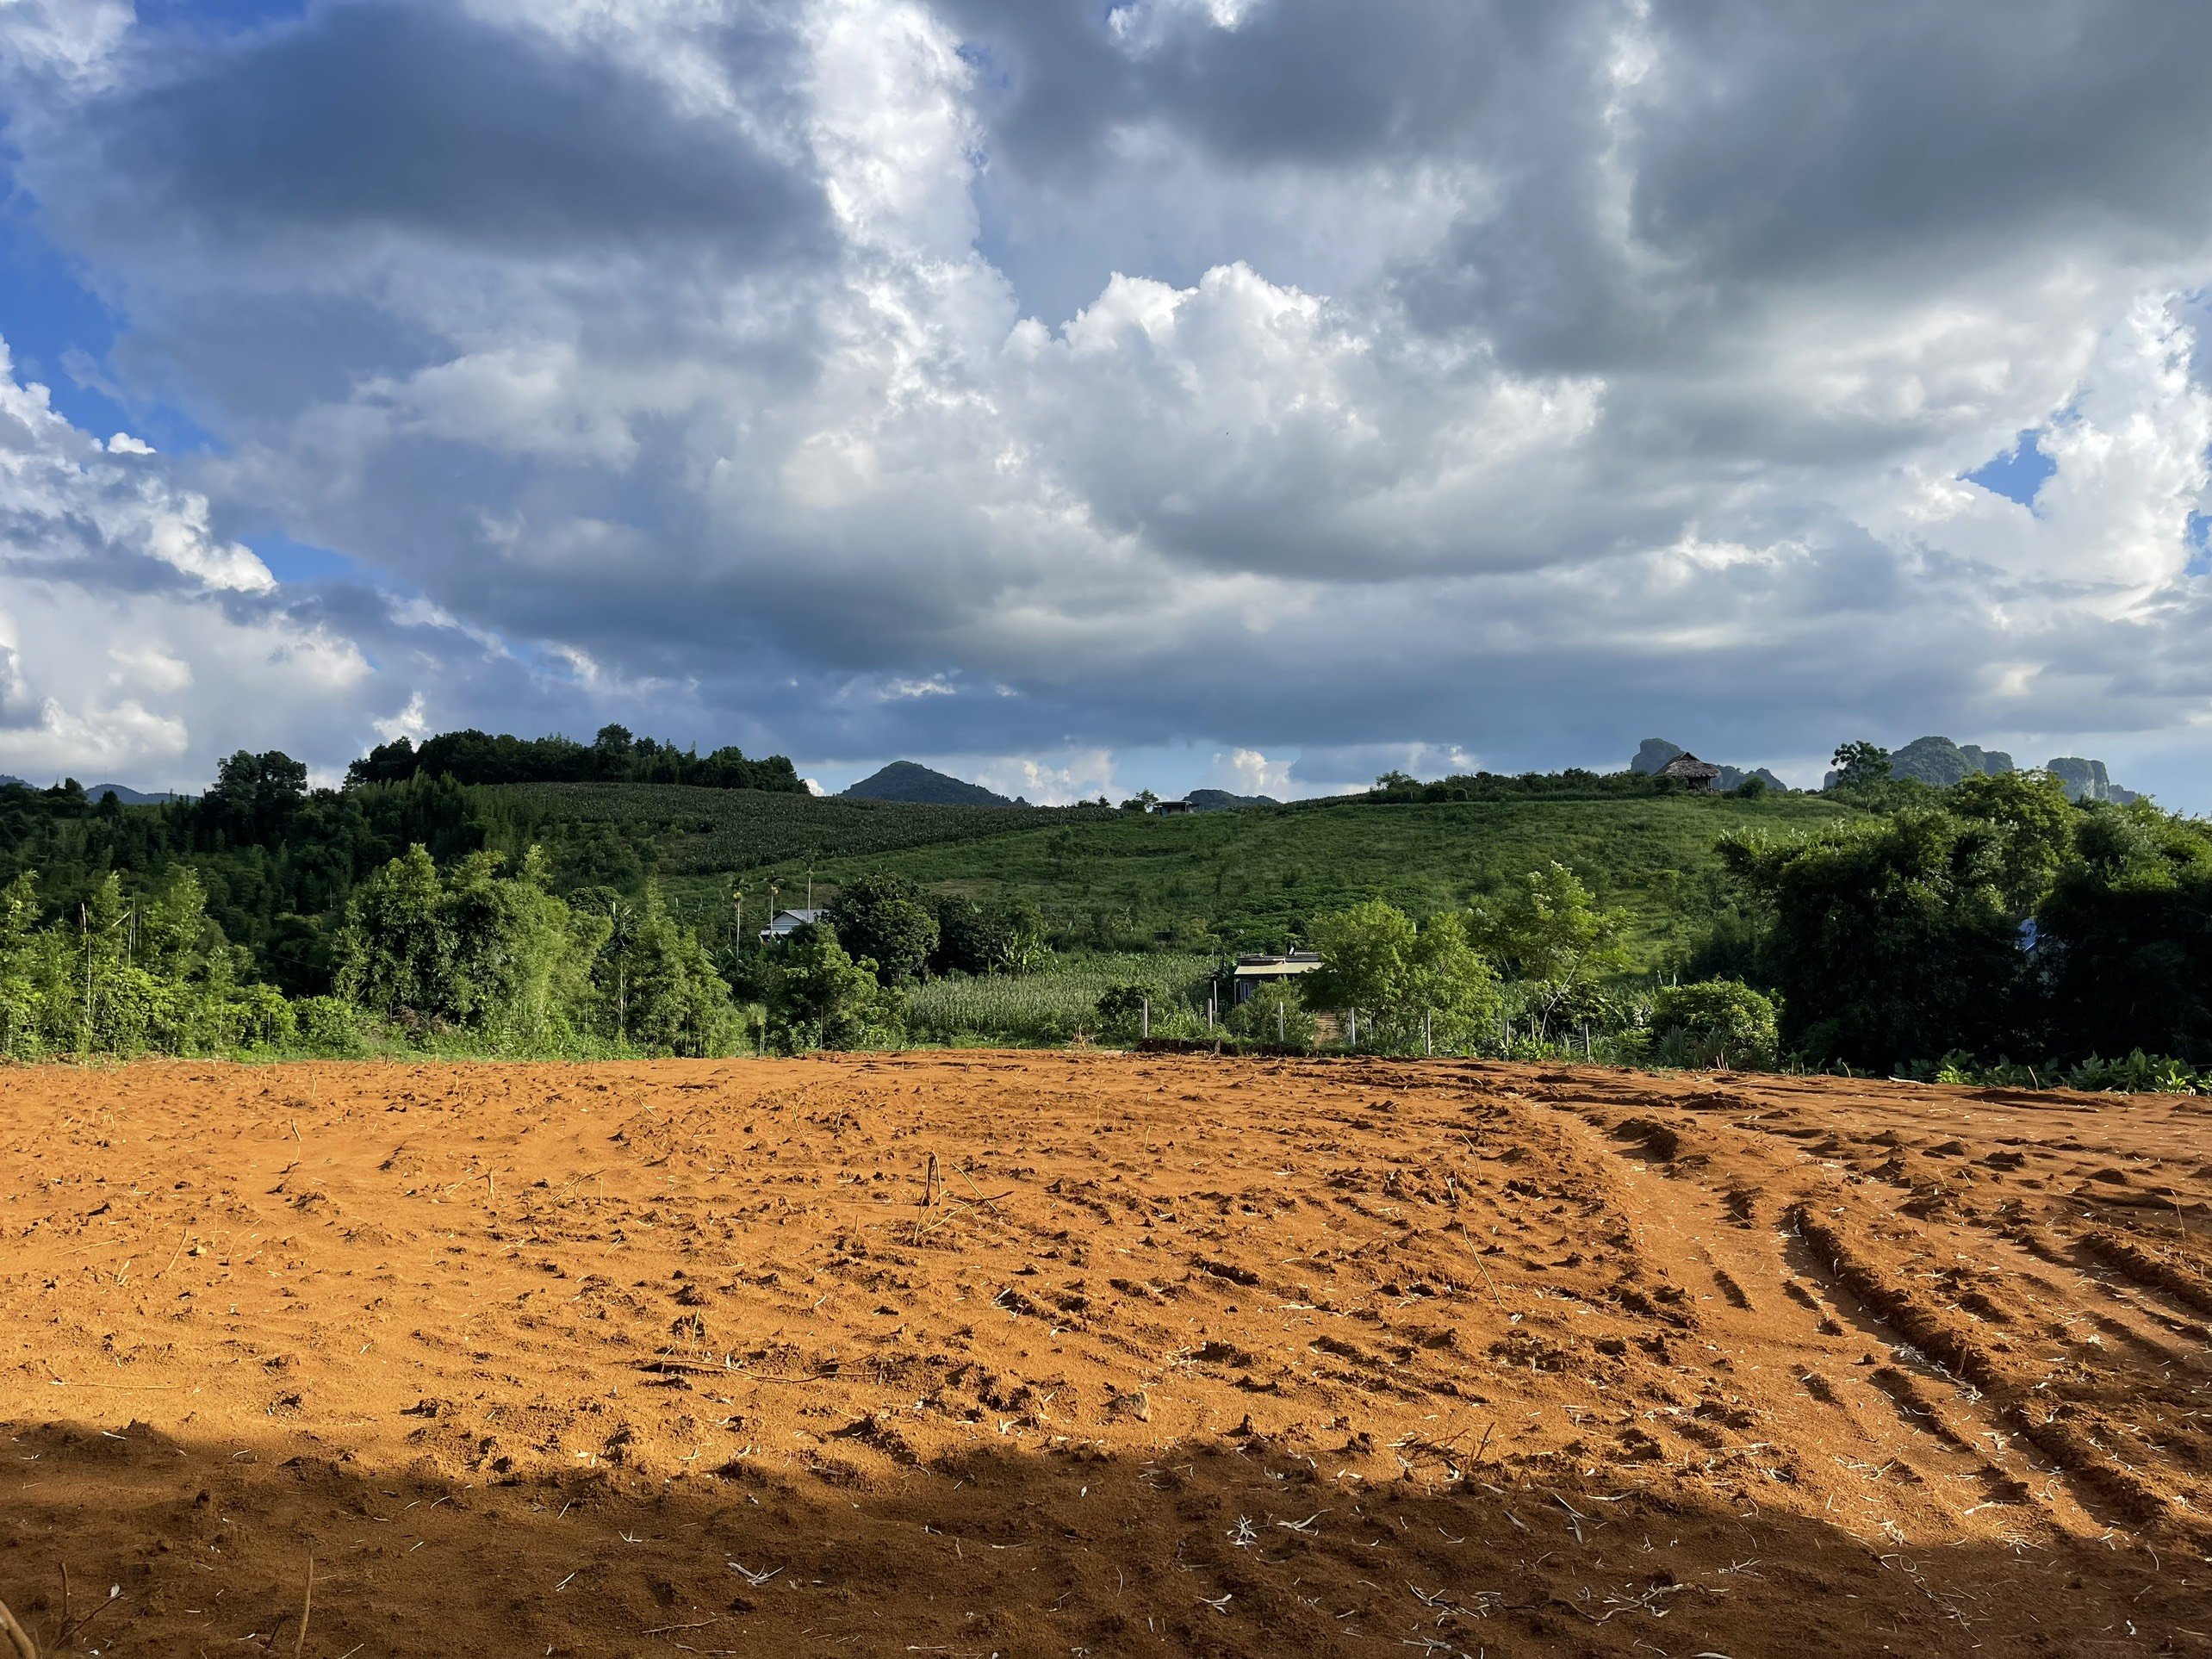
[(612, 756), (1994, 919)]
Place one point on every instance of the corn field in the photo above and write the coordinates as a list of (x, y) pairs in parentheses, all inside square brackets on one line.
[(1056, 1005)]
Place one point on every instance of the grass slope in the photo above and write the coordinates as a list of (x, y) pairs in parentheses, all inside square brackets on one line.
[(1254, 877)]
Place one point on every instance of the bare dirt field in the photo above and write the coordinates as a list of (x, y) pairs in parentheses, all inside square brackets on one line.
[(1052, 1354)]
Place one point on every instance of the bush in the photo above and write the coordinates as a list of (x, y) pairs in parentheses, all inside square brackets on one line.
[(1122, 1009), (328, 1025), (1716, 1022), (1275, 1013)]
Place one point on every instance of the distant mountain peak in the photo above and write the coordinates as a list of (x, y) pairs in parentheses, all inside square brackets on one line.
[(910, 780)]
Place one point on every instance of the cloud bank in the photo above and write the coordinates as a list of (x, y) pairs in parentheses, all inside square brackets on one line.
[(1060, 386)]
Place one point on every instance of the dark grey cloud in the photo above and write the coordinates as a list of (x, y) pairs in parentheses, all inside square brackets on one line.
[(416, 117), (1781, 138), (1301, 81)]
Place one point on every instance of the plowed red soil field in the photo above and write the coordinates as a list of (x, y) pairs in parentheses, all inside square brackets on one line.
[(1057, 1354)]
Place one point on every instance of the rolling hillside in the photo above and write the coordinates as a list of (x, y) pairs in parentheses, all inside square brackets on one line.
[(1249, 878)]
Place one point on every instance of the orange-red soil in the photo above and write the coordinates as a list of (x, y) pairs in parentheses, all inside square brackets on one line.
[(1179, 1355)]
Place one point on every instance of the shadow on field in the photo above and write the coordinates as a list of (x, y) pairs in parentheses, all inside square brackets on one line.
[(1231, 1547)]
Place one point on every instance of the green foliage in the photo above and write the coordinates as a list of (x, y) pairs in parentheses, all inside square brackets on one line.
[(1060, 1001), (2035, 825), (614, 756), (1125, 1010), (469, 948), (2003, 920), (1718, 1022), (877, 919), (1276, 1012), (1553, 937), (820, 997), (1376, 961), (1887, 940), (1005, 937), (2125, 953), (661, 990), (129, 977), (1861, 767), (256, 795), (505, 959), (2138, 1074)]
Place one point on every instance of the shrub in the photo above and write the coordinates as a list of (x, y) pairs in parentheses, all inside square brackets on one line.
[(1275, 1013), (328, 1025), (1122, 1009), (1717, 1021)]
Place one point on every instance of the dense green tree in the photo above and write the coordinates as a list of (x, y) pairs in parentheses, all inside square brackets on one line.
[(2036, 825), (879, 917), (126, 975), (1007, 937), (494, 954), (2123, 957), (254, 795), (671, 1000), (1861, 767), (1127, 1009), (820, 997), (1554, 938), (1376, 961), (1890, 940)]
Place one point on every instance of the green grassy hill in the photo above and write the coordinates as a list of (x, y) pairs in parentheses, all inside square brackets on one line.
[(1253, 878)]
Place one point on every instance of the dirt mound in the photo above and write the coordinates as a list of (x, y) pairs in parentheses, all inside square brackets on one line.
[(1052, 1354)]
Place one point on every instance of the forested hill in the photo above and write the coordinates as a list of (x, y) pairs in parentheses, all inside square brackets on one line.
[(1252, 879), (280, 863), (613, 756)]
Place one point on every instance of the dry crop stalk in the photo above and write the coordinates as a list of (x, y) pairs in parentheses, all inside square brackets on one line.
[(19, 1642)]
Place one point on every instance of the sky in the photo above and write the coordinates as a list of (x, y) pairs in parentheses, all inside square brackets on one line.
[(1086, 395)]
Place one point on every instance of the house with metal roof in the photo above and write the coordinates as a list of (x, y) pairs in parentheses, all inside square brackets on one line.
[(787, 922), (1252, 972)]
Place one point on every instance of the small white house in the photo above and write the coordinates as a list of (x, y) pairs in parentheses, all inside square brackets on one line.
[(787, 922), (1253, 971)]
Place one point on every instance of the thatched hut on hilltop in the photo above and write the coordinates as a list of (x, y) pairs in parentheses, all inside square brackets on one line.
[(1687, 769)]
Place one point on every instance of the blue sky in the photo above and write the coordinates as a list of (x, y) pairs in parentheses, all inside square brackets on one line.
[(1086, 397)]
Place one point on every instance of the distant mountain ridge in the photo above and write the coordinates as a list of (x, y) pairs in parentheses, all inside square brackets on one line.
[(1941, 762), (910, 782), (122, 793)]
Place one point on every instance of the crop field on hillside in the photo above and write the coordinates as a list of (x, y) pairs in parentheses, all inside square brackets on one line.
[(1067, 1354), (1255, 876)]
